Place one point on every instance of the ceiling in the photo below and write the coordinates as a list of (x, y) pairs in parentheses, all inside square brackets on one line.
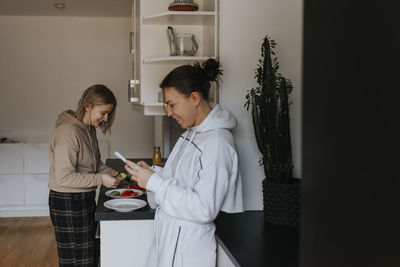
[(90, 8)]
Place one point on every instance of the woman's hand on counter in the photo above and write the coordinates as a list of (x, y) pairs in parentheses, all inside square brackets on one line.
[(109, 181), (142, 173)]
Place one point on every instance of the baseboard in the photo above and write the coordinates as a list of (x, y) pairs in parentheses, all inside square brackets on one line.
[(24, 211)]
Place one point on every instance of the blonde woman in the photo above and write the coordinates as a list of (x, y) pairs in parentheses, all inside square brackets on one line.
[(75, 172)]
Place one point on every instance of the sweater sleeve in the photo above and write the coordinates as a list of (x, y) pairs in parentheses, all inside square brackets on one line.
[(202, 202), (65, 161)]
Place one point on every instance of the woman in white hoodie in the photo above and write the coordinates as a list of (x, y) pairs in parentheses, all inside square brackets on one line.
[(201, 176)]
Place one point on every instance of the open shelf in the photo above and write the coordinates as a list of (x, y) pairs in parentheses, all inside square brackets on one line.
[(177, 59), (150, 21), (154, 104), (154, 109), (179, 17)]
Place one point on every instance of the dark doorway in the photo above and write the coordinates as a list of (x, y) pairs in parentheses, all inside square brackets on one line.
[(351, 134)]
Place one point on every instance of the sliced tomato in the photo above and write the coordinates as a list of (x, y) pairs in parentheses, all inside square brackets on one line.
[(133, 186), (128, 193)]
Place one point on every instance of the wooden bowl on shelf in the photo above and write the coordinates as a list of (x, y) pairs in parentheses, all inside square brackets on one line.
[(183, 5)]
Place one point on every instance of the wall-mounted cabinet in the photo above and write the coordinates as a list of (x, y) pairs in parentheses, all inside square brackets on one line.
[(152, 60)]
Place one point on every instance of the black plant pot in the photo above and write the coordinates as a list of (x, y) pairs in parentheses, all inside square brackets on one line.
[(282, 203)]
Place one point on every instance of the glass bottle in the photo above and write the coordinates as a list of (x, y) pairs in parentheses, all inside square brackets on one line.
[(156, 156)]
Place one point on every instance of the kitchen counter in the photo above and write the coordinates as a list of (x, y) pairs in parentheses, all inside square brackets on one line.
[(245, 238), (103, 213), (251, 242), (125, 237)]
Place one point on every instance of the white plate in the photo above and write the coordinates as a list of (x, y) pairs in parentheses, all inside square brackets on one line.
[(125, 205), (120, 190)]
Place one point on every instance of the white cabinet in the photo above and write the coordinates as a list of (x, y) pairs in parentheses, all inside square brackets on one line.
[(36, 158), (152, 61), (12, 190), (130, 240), (24, 178), (36, 190), (11, 158)]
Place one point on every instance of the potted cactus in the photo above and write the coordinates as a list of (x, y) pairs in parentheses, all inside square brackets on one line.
[(269, 105)]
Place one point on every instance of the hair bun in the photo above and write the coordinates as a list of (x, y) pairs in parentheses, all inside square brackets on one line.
[(211, 69)]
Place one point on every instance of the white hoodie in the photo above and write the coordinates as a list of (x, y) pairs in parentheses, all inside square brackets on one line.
[(200, 178)]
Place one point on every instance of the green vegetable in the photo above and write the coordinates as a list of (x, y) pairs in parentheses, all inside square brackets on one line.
[(114, 194), (122, 176)]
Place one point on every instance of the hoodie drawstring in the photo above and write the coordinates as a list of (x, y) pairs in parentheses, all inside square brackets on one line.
[(190, 141), (179, 149), (91, 146), (187, 146)]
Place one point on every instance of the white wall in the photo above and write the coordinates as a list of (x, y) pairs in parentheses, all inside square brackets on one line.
[(243, 26), (47, 62)]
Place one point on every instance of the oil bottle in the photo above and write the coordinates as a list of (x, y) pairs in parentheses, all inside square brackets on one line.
[(156, 156)]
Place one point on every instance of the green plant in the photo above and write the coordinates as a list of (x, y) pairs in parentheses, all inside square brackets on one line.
[(269, 103)]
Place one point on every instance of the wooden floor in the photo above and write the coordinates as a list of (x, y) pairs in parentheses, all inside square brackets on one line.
[(27, 242)]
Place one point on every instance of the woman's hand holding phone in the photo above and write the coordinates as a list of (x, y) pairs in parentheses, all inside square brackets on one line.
[(143, 164), (141, 174), (109, 181)]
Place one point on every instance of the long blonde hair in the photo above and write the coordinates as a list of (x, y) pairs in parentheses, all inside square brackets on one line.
[(97, 94)]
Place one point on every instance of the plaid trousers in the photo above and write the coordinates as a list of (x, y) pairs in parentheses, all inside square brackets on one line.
[(72, 215)]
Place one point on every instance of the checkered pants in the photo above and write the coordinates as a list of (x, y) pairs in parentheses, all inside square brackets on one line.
[(72, 215)]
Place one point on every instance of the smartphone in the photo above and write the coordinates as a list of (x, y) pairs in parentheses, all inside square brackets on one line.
[(116, 153)]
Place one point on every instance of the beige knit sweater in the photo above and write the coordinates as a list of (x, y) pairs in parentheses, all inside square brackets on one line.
[(75, 164)]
